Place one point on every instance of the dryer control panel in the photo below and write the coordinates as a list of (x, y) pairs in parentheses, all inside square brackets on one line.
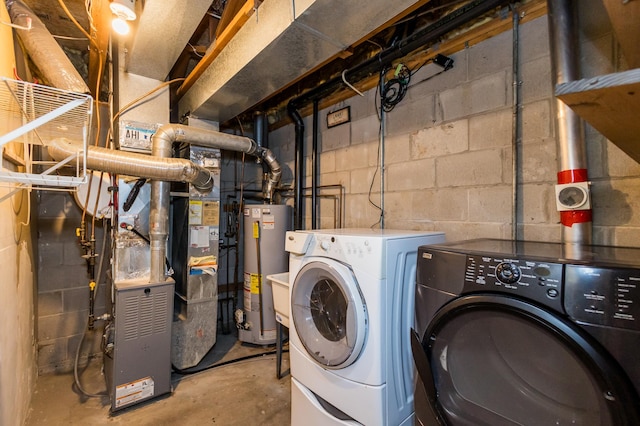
[(540, 281), (603, 296)]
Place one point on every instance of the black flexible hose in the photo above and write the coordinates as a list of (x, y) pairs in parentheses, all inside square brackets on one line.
[(188, 371), (131, 198)]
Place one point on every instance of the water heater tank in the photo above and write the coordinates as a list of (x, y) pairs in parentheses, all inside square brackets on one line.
[(264, 254)]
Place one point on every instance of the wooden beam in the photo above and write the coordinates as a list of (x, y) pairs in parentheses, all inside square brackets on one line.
[(208, 24), (625, 18), (101, 15), (611, 104), (227, 34)]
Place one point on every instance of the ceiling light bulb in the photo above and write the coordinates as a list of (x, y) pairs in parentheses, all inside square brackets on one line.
[(124, 9), (120, 26)]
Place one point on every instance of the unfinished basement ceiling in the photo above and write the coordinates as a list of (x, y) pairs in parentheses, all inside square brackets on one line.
[(237, 54), (281, 42)]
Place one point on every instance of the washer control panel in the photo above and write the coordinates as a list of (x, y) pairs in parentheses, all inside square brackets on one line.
[(606, 296), (540, 281)]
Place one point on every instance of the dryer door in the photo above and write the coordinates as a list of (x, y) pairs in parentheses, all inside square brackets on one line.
[(328, 313), (495, 360)]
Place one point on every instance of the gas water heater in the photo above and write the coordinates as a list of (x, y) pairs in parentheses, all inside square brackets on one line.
[(265, 227)]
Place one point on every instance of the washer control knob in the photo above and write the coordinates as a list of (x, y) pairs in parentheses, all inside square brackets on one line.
[(508, 273), (324, 245)]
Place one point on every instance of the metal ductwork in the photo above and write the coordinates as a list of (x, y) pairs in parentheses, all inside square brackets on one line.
[(44, 50), (133, 164), (282, 41), (152, 55), (575, 213), (161, 142), (170, 133), (162, 169)]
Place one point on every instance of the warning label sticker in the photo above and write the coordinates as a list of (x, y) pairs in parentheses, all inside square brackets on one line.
[(255, 283), (268, 221), (134, 391), (210, 213)]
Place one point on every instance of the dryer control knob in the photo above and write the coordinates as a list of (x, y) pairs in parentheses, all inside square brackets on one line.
[(508, 273), (324, 245)]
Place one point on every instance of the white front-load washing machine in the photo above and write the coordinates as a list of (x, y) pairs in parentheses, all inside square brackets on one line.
[(352, 309)]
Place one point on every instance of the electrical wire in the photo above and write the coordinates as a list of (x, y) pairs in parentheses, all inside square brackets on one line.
[(101, 62), (61, 37), (241, 173), (380, 118), (344, 80), (395, 89), (87, 8), (431, 10), (189, 371), (195, 51), (239, 221), (139, 98), (76, 23)]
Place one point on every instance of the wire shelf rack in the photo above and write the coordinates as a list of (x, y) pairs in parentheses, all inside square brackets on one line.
[(32, 115)]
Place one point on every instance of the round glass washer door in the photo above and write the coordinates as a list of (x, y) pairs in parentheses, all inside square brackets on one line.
[(329, 313)]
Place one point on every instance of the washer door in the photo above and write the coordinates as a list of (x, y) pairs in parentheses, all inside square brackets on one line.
[(496, 360), (328, 313)]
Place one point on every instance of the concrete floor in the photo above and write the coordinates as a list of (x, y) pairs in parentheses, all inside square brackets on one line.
[(240, 393)]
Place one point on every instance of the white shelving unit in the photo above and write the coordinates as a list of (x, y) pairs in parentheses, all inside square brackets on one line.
[(32, 115)]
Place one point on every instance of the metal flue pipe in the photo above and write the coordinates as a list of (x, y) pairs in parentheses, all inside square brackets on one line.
[(571, 146), (161, 143), (162, 169), (207, 138), (134, 164)]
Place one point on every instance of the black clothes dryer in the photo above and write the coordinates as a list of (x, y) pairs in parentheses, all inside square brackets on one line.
[(527, 333)]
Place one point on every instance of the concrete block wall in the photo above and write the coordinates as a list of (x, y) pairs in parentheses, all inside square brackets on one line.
[(448, 147), (18, 373), (63, 285), (17, 314)]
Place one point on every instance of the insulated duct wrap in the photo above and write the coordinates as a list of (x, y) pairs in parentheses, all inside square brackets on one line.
[(133, 164), (44, 51)]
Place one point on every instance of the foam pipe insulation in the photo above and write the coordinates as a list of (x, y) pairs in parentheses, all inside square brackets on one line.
[(45, 51)]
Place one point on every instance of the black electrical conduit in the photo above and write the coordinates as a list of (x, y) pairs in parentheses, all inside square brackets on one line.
[(430, 34), (195, 370)]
